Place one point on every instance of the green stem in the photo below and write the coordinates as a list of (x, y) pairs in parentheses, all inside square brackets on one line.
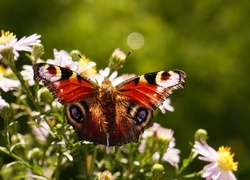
[(193, 175), (6, 128), (8, 145), (26, 89), (58, 166), (91, 170), (20, 160), (17, 158), (186, 162)]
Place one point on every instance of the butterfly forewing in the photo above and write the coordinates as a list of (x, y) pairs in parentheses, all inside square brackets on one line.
[(67, 86), (150, 90)]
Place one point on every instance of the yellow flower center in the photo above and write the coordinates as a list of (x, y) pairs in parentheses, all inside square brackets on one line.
[(6, 37), (225, 159), (2, 70)]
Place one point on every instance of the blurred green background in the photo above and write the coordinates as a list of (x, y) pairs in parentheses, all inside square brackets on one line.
[(209, 40)]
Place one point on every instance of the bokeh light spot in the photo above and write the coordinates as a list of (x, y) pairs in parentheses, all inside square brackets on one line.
[(135, 40)]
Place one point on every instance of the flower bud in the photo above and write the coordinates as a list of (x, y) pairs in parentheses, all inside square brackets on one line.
[(201, 134), (35, 153), (7, 112), (45, 96), (59, 126), (157, 171), (37, 51), (8, 57), (117, 60), (76, 55), (18, 138)]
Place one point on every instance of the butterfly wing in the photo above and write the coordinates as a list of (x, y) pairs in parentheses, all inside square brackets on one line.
[(151, 89), (67, 86), (137, 98), (131, 120), (88, 119), (79, 95)]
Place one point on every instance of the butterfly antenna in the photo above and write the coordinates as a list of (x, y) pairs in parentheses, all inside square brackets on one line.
[(129, 53)]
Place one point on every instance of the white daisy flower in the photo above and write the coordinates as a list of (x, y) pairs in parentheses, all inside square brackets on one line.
[(115, 80), (221, 164), (106, 175), (164, 133), (27, 74), (41, 131), (104, 74), (3, 103), (7, 84), (9, 41), (166, 106), (172, 154), (160, 132), (63, 59), (122, 78)]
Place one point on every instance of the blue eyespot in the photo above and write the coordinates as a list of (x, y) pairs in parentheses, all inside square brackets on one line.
[(76, 114), (141, 115)]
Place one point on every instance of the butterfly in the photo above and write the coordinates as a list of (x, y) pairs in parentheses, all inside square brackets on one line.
[(106, 114)]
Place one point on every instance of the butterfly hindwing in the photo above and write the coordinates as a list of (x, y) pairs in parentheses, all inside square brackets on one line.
[(87, 119), (115, 127), (131, 120), (66, 85)]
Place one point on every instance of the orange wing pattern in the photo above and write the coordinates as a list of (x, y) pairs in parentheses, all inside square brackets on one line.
[(151, 89), (67, 86)]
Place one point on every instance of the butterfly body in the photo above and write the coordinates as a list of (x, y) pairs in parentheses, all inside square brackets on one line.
[(107, 114)]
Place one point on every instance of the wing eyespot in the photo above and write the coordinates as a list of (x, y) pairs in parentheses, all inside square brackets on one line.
[(140, 115), (76, 112)]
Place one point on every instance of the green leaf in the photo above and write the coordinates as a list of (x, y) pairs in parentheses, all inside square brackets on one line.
[(37, 170)]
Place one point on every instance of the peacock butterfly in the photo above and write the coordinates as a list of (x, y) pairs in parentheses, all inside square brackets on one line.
[(107, 114)]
